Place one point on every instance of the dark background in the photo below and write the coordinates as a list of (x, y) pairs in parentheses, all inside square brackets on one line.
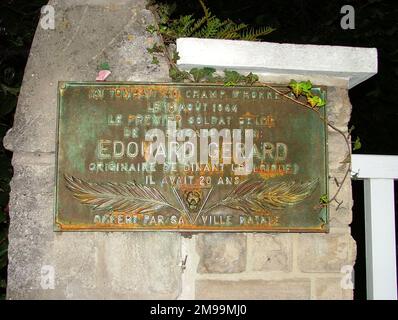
[(375, 106)]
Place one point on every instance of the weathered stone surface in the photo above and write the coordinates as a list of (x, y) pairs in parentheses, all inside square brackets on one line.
[(130, 52), (253, 289), (269, 252), (85, 35), (340, 211), (338, 107), (97, 266), (337, 152), (151, 269), (338, 114), (339, 111), (86, 264), (331, 289), (325, 252), (221, 253), (32, 195)]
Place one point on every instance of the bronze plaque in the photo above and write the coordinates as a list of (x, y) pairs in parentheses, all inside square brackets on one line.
[(183, 157)]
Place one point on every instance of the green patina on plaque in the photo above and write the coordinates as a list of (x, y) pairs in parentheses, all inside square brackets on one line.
[(183, 157)]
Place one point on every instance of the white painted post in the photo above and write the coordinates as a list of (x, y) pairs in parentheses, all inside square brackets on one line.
[(378, 173), (381, 276)]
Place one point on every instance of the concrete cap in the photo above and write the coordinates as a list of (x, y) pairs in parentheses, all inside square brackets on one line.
[(351, 63)]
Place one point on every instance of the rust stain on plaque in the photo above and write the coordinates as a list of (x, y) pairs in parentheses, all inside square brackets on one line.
[(182, 157)]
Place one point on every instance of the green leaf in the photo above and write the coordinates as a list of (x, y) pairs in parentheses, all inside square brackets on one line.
[(151, 29), (155, 48), (302, 87), (296, 88), (183, 25), (155, 60), (230, 84), (104, 66), (198, 24), (232, 77), (324, 199), (254, 34), (175, 56), (163, 29), (357, 144), (251, 78), (196, 73), (207, 26), (321, 103), (306, 87), (202, 74), (177, 75), (315, 101)]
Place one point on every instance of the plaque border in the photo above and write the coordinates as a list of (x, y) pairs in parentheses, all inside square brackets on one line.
[(59, 227)]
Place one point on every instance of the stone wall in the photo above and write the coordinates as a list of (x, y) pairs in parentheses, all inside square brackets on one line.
[(282, 266), (139, 265)]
